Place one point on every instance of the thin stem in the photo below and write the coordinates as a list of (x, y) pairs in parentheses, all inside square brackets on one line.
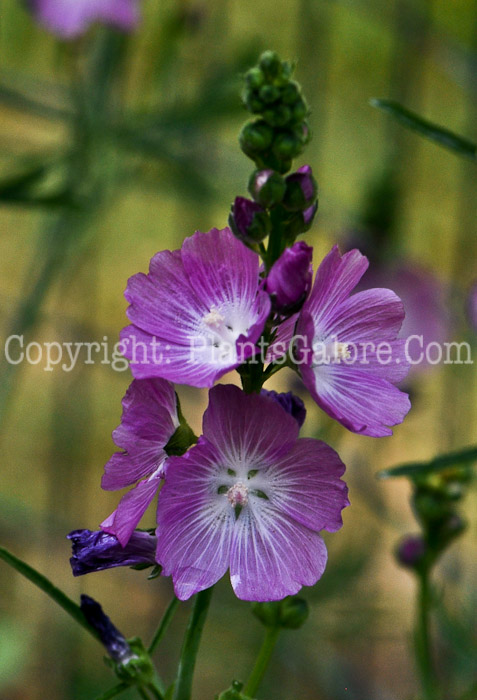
[(113, 692), (143, 693), (49, 588), (155, 692), (423, 639), (163, 625), (263, 659), (185, 673)]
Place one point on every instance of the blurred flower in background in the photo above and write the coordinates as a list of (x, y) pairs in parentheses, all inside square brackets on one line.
[(69, 19)]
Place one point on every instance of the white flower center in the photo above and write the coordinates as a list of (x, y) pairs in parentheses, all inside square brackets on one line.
[(214, 317), (238, 494)]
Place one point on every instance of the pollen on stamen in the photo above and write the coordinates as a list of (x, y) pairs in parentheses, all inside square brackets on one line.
[(214, 317), (238, 495), (341, 351)]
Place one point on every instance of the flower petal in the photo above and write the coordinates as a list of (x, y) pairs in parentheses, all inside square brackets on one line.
[(335, 278), (130, 510), (273, 556), (194, 523), (239, 426), (362, 402), (306, 485)]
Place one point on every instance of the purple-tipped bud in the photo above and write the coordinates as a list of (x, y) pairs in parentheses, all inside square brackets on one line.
[(267, 187), (472, 306), (291, 403), (411, 551), (114, 642), (289, 279), (249, 221), (309, 215), (95, 551), (301, 189)]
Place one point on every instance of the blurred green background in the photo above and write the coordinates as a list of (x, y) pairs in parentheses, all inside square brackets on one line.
[(85, 203)]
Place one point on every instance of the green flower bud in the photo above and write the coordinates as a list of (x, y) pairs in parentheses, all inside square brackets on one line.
[(286, 145), (253, 102), (233, 693), (269, 94), (266, 187), (278, 115), (290, 93), (255, 78), (270, 64), (255, 137), (137, 670), (289, 613), (300, 111)]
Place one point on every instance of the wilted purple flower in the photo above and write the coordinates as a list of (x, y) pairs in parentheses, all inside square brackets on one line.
[(290, 402), (115, 643), (301, 189), (148, 421), (347, 350), (70, 18), (252, 497), (249, 221), (95, 551), (289, 279), (472, 306), (198, 313)]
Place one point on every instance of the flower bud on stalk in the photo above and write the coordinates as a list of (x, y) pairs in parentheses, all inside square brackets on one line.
[(289, 279), (266, 187), (411, 551), (249, 221), (301, 189)]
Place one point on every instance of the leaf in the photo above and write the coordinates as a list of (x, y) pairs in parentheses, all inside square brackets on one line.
[(439, 134), (437, 464)]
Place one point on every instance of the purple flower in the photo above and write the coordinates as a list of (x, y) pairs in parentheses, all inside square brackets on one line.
[(198, 313), (95, 551), (347, 350), (289, 279), (472, 306), (291, 403), (249, 221), (71, 18), (148, 421), (252, 497)]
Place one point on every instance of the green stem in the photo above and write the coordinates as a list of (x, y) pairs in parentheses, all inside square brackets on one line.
[(423, 639), (190, 647), (163, 625), (262, 661), (113, 692), (143, 693), (47, 587)]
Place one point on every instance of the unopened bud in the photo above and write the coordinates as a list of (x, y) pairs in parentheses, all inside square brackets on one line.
[(301, 189), (249, 221), (266, 187), (411, 551), (255, 137), (289, 279)]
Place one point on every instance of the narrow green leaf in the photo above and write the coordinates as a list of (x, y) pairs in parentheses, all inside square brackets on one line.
[(438, 134), (49, 588), (435, 465)]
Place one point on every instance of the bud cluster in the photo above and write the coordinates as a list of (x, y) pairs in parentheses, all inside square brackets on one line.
[(282, 207)]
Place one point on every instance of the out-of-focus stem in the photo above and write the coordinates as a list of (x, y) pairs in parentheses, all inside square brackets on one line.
[(163, 625), (423, 639)]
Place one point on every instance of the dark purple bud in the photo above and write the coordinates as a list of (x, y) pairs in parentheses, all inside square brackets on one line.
[(472, 306), (249, 221), (94, 551), (289, 279), (114, 642), (411, 551), (301, 189), (291, 403), (266, 187)]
